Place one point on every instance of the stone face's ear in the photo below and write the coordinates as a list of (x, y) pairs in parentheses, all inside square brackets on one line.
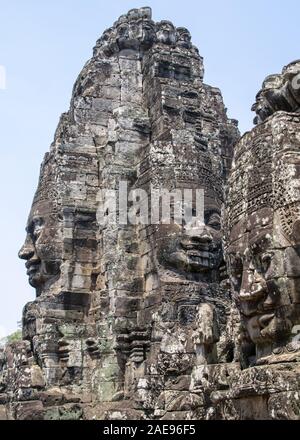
[(27, 250)]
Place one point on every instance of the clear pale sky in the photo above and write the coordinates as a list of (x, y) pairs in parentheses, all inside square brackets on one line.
[(44, 45)]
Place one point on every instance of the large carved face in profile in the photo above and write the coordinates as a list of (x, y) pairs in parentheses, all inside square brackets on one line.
[(265, 276), (42, 248), (122, 35), (194, 250), (280, 92), (262, 107)]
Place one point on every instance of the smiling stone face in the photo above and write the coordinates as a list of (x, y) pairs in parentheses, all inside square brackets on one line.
[(42, 249), (259, 282), (263, 247), (195, 250)]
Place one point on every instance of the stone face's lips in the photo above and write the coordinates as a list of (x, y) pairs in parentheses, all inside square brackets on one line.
[(196, 254), (196, 247), (32, 267), (201, 259), (200, 254)]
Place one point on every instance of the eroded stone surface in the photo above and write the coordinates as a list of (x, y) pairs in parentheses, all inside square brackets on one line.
[(137, 321), (262, 248)]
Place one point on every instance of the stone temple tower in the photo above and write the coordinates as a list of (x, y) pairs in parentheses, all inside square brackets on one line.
[(127, 314)]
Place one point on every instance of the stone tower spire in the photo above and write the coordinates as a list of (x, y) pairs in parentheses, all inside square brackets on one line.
[(126, 313)]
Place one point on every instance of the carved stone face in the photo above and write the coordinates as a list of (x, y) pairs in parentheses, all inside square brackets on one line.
[(261, 108), (166, 33), (42, 248), (105, 40), (135, 33), (193, 250), (123, 35), (265, 279), (279, 92), (183, 38), (147, 34)]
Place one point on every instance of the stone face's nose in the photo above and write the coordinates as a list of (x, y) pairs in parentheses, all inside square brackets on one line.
[(205, 238), (27, 251)]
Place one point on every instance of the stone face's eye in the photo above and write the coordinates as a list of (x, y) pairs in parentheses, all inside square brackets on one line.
[(38, 221), (214, 222), (35, 234)]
